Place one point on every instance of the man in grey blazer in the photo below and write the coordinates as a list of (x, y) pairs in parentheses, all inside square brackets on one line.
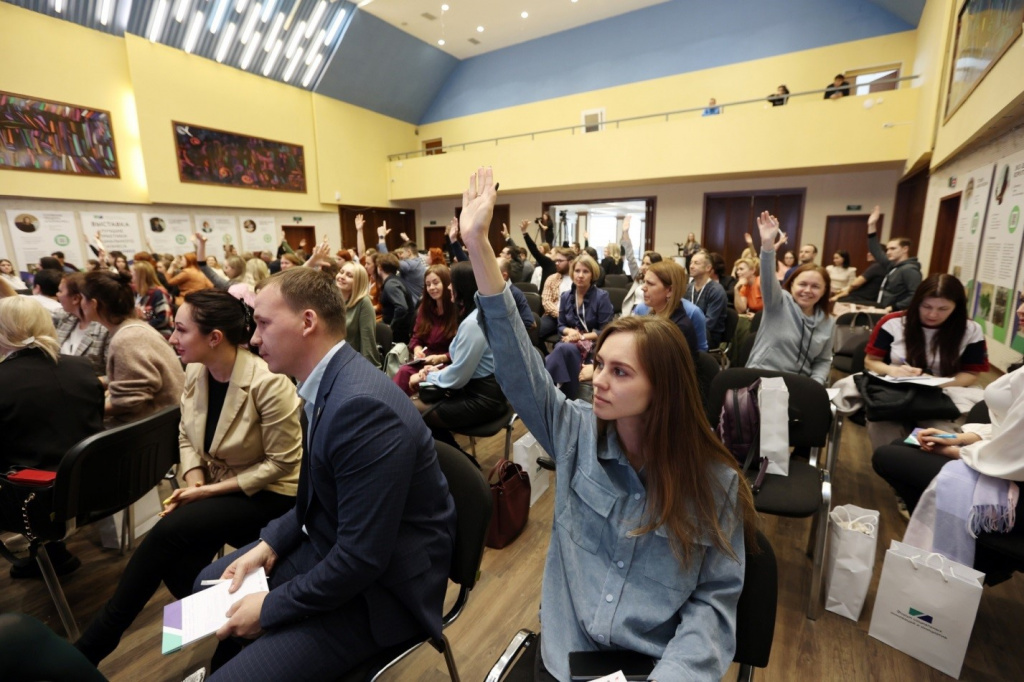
[(361, 563)]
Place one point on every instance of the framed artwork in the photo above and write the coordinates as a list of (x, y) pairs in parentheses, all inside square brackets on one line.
[(985, 30), (215, 157), (53, 137)]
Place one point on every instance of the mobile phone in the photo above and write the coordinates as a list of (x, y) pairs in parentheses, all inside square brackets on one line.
[(591, 665)]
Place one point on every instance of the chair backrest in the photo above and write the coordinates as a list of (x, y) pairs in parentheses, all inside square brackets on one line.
[(810, 415), (535, 303), (112, 469), (527, 287), (385, 338), (732, 320), (616, 281), (707, 369), (617, 296), (755, 612), (473, 508), (857, 358)]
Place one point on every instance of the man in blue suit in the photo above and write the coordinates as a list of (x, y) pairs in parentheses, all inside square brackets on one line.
[(362, 561)]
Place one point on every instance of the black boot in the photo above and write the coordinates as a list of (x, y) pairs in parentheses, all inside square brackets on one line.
[(103, 635)]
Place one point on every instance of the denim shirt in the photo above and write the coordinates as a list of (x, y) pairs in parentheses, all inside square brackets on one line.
[(604, 587)]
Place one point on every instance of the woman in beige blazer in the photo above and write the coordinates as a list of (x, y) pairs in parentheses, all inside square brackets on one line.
[(240, 442)]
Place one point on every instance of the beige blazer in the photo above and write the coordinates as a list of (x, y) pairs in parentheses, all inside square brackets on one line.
[(258, 437)]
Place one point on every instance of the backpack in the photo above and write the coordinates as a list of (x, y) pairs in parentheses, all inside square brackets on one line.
[(396, 357), (739, 429)]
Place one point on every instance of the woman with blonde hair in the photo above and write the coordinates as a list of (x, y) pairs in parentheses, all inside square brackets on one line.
[(648, 547), (152, 303), (360, 320), (664, 287), (49, 402), (748, 287)]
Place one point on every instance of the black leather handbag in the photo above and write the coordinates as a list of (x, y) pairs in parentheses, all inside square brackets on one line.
[(886, 401)]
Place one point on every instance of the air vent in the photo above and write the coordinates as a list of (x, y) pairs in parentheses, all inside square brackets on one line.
[(428, 16), (474, 41)]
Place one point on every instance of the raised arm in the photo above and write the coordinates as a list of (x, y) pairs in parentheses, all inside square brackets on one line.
[(219, 282), (627, 245), (768, 228), (874, 245), (360, 242)]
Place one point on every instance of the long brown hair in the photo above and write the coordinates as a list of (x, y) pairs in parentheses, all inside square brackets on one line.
[(672, 275), (946, 343), (681, 481), (824, 304), (449, 316)]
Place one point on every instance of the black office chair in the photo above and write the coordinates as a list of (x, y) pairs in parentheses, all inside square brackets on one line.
[(732, 319), (616, 281), (535, 303), (617, 296), (807, 491), (491, 428), (473, 507), (385, 339), (103, 474), (707, 369), (755, 625), (528, 287)]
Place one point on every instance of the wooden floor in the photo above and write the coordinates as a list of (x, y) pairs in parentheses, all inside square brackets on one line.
[(507, 596)]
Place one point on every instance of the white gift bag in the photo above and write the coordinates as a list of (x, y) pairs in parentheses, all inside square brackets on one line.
[(851, 559), (773, 402), (525, 452), (926, 606)]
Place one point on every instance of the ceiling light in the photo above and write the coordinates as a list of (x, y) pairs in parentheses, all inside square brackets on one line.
[(293, 42), (290, 71), (268, 9), (312, 70), (105, 8), (156, 24), (479, 29), (240, 5), (318, 13), (225, 41), (444, 8), (181, 10), (250, 51), (250, 24), (193, 32), (272, 59), (274, 28), (332, 32), (315, 45), (524, 15), (441, 42), (218, 15), (58, 6)]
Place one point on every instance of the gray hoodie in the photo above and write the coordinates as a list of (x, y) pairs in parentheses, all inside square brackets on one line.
[(901, 279), (788, 340)]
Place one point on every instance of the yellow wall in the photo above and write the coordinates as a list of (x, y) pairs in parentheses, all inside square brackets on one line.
[(353, 144), (800, 71), (931, 64), (57, 60)]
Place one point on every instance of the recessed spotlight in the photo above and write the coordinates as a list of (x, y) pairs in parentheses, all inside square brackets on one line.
[(524, 15), (479, 29), (441, 41), (444, 8)]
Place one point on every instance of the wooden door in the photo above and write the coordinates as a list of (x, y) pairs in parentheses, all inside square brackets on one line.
[(848, 233), (729, 216), (502, 212), (399, 221), (300, 237), (908, 214), (434, 237), (945, 231)]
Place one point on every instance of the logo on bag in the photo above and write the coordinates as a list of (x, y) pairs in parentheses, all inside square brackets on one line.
[(920, 615)]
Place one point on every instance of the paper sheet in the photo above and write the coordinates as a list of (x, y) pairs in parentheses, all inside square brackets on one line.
[(923, 380), (203, 613)]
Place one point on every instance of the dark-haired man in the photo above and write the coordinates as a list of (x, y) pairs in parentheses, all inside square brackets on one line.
[(902, 272), (45, 285), (396, 302), (361, 563)]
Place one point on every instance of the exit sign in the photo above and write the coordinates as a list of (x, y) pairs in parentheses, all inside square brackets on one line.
[(853, 207)]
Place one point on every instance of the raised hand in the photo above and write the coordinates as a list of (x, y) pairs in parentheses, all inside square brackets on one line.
[(199, 239), (781, 240), (302, 243), (321, 252), (504, 231), (383, 231), (453, 229), (404, 236), (873, 219), (767, 227), (360, 222), (478, 206), (626, 240), (748, 239), (524, 226)]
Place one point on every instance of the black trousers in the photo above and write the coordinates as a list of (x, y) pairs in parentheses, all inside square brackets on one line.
[(179, 546), (907, 469)]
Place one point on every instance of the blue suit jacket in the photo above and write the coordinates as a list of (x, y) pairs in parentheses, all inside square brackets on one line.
[(376, 508)]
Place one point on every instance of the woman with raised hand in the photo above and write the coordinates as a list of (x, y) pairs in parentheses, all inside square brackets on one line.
[(436, 324), (240, 443), (186, 275), (143, 373), (647, 549), (664, 287), (796, 326), (360, 321)]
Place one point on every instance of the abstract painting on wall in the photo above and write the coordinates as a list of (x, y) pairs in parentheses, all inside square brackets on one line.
[(216, 157), (985, 30), (54, 137)]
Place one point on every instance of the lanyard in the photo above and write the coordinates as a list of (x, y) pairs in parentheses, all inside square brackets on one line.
[(699, 293)]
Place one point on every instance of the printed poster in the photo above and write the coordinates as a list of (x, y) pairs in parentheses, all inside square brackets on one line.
[(257, 233), (1000, 250), (117, 231), (220, 231), (39, 233), (970, 226), (168, 232)]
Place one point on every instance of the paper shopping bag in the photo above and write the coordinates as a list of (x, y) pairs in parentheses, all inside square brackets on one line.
[(925, 606), (773, 401), (525, 452), (851, 558)]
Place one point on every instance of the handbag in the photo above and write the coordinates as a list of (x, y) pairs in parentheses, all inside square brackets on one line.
[(429, 393), (885, 401), (26, 506), (847, 337), (510, 502)]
